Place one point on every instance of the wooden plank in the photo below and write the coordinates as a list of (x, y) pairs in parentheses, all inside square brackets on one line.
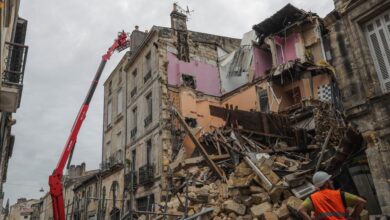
[(209, 161)]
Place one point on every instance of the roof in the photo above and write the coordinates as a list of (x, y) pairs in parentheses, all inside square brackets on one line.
[(284, 17)]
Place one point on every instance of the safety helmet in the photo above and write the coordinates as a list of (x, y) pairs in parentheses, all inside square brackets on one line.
[(320, 178)]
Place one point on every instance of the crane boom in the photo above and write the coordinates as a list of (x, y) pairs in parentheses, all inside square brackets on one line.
[(55, 180)]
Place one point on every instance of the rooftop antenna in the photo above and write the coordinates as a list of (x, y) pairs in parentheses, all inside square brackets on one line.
[(186, 11)]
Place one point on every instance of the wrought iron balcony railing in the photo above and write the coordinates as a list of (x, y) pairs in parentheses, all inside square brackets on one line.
[(15, 64), (146, 174)]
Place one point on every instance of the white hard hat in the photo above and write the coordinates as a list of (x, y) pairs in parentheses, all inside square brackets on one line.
[(320, 178)]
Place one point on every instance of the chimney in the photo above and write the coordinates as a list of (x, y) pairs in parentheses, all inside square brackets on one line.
[(82, 169), (136, 38), (72, 171), (178, 19)]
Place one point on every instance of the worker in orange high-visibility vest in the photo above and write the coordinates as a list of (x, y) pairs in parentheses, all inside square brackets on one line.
[(328, 203)]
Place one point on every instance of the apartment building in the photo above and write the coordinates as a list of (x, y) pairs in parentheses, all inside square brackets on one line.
[(360, 39), (13, 54), (23, 209)]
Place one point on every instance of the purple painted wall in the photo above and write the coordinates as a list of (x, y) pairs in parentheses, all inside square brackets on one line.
[(288, 45), (206, 75), (262, 62)]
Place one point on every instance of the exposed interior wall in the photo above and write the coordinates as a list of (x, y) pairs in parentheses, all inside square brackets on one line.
[(262, 62), (282, 99), (206, 76)]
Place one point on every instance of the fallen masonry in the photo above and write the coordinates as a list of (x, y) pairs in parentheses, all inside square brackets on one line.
[(258, 166)]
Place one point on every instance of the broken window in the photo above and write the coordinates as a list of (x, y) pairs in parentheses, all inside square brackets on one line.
[(188, 81), (149, 153), (191, 122), (263, 100), (378, 36), (120, 101), (109, 113)]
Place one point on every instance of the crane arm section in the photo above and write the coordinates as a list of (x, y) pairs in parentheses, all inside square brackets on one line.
[(55, 180)]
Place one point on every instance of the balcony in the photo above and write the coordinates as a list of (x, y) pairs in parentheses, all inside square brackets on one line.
[(12, 77), (146, 174), (133, 132), (133, 92), (131, 182), (148, 120), (147, 76)]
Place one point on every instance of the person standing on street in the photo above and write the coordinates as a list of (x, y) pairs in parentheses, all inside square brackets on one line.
[(328, 203)]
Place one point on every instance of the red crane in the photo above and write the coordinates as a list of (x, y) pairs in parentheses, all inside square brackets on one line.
[(55, 180)]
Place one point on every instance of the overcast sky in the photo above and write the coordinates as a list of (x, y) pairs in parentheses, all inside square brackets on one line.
[(66, 40)]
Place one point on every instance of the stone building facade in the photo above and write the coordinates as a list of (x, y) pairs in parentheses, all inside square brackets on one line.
[(360, 39), (23, 209), (13, 54)]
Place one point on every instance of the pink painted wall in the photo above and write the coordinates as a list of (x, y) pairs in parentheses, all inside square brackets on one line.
[(206, 75), (288, 45), (262, 62)]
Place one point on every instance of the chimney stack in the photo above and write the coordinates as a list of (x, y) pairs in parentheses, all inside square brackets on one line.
[(178, 19)]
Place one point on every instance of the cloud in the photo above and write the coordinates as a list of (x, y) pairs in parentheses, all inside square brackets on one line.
[(66, 40)]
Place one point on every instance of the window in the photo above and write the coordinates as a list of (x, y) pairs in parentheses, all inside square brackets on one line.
[(148, 63), (148, 68), (109, 113), (378, 36), (263, 100), (149, 154), (149, 102), (110, 88), (133, 160), (135, 117), (145, 203), (120, 101), (149, 106), (188, 81), (119, 140), (133, 83)]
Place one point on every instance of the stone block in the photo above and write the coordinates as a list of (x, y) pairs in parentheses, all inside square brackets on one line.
[(256, 189), (270, 216), (232, 206), (260, 198), (293, 203), (282, 212), (258, 210)]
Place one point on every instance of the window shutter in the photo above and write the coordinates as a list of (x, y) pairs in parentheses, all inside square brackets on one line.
[(378, 35)]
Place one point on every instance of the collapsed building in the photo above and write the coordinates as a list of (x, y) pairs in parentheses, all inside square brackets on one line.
[(203, 125)]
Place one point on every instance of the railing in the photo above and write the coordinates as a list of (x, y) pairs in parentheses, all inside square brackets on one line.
[(133, 92), (15, 64), (146, 174), (133, 132), (131, 183), (148, 120), (147, 76)]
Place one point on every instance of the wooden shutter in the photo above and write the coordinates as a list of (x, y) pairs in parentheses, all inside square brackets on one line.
[(378, 36)]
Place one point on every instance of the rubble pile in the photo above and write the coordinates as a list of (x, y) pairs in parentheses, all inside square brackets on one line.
[(265, 175)]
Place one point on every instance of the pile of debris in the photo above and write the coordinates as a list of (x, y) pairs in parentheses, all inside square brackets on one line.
[(258, 166)]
